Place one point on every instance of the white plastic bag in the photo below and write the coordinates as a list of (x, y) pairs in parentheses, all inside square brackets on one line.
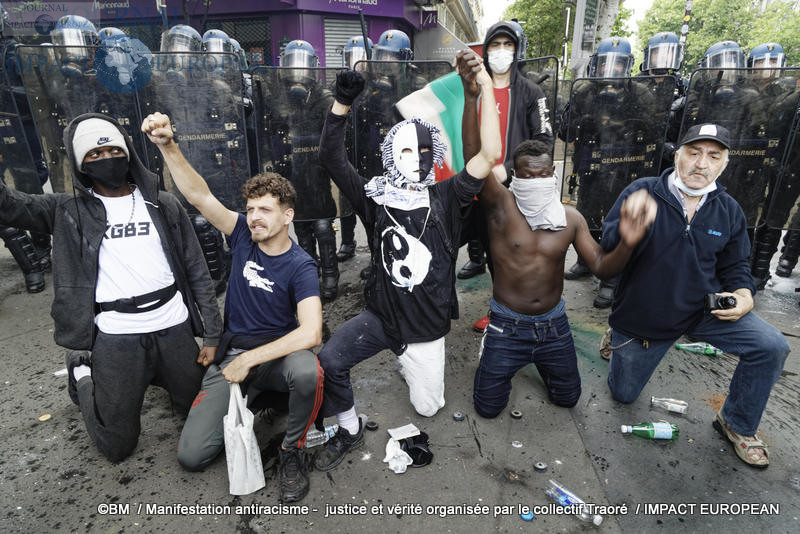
[(245, 473)]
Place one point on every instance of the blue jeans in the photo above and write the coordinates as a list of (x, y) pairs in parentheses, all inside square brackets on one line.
[(513, 340), (761, 348)]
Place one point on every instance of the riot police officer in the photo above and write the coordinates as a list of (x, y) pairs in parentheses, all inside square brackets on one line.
[(722, 93), (178, 44), (77, 35), (23, 158), (610, 115), (773, 111), (612, 59), (315, 209), (373, 111), (353, 52), (249, 107), (663, 56)]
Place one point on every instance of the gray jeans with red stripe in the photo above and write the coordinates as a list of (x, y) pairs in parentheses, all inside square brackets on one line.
[(297, 374)]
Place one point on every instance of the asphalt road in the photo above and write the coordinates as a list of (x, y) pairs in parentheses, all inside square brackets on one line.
[(52, 479)]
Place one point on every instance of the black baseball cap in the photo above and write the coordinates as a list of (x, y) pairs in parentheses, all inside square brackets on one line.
[(712, 132)]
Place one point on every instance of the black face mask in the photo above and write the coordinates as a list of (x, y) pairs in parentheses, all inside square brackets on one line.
[(110, 173)]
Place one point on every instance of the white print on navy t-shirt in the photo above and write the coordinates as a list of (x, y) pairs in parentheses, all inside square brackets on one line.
[(405, 259), (250, 274)]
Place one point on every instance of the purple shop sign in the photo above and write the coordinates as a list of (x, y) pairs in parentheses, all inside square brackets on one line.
[(377, 8), (428, 19)]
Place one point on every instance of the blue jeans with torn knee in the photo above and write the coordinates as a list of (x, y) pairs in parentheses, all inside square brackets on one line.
[(513, 340), (761, 348)]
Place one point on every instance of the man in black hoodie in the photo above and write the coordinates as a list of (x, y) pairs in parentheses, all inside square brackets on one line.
[(131, 285), (523, 112)]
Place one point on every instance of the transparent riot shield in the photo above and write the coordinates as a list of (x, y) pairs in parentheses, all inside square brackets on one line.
[(64, 82), (758, 107), (202, 95), (291, 106), (18, 167), (617, 126), (373, 111), (543, 71)]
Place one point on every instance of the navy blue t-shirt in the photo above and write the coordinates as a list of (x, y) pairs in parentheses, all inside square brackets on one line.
[(263, 291)]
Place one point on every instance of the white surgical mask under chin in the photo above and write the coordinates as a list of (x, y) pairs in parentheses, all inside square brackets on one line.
[(500, 60), (693, 192)]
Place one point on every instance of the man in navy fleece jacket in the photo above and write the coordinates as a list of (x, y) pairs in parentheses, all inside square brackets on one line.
[(697, 245)]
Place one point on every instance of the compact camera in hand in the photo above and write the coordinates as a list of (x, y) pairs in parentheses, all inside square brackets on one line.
[(720, 302)]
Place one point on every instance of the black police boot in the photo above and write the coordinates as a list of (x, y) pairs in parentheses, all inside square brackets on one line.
[(348, 247), (577, 271), (766, 244), (326, 240), (605, 297), (477, 261), (346, 251), (23, 251), (305, 238), (213, 248), (789, 254)]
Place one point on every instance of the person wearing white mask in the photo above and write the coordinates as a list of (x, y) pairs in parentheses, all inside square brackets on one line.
[(415, 225), (522, 110), (697, 246)]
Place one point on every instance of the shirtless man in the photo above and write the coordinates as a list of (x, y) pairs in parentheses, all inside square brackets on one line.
[(529, 234)]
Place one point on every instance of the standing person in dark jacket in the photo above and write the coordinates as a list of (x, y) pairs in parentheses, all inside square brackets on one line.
[(522, 110), (697, 245), (130, 283), (410, 294)]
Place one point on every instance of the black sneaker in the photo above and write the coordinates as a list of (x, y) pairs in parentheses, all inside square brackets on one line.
[(293, 468), (333, 451), (75, 358)]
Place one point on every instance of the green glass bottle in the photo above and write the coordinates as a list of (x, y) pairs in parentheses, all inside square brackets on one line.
[(658, 430), (700, 347)]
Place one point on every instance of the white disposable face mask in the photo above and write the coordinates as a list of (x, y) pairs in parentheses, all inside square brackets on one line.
[(693, 192), (500, 60)]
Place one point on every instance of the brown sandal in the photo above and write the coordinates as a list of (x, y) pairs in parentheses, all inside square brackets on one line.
[(605, 345), (742, 444)]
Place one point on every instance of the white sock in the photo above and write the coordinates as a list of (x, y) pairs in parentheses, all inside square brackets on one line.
[(349, 421), (80, 371)]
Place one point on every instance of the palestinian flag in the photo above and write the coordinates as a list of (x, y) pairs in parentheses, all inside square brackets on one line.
[(441, 103)]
